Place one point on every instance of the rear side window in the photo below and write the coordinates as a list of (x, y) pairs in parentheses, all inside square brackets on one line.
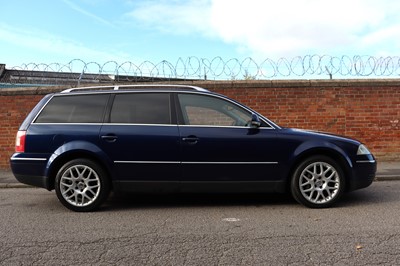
[(141, 108), (74, 109)]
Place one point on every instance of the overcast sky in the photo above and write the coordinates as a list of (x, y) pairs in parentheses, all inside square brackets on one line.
[(49, 31)]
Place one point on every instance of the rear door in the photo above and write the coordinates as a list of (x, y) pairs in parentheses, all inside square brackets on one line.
[(141, 137)]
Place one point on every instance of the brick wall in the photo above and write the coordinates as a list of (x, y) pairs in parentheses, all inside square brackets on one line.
[(368, 110)]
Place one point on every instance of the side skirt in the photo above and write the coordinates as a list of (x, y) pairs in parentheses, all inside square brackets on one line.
[(200, 187)]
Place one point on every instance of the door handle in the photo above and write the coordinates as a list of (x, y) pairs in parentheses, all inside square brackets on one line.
[(191, 140), (109, 138)]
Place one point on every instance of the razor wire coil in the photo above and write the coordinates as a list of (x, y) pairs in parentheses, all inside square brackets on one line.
[(309, 66)]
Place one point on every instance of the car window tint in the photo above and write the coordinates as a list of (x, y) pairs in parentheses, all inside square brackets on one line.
[(207, 110), (74, 109), (141, 108)]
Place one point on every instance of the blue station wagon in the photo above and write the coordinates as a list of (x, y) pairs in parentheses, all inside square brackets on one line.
[(85, 142)]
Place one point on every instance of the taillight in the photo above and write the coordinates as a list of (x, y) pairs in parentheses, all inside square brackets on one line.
[(20, 141)]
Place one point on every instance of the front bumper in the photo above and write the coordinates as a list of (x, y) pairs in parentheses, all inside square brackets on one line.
[(363, 172)]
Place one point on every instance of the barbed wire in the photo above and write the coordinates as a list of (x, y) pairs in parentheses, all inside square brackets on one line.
[(309, 66)]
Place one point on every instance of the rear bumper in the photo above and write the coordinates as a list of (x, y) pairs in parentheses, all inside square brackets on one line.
[(30, 171)]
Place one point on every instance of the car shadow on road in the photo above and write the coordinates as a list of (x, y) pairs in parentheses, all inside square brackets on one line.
[(378, 193), (138, 201)]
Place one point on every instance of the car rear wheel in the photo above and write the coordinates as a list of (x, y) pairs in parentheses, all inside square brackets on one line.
[(318, 182), (82, 185)]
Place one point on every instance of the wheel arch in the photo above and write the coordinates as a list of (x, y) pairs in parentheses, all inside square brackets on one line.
[(57, 160), (338, 156)]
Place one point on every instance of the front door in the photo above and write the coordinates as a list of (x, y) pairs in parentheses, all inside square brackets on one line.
[(218, 143)]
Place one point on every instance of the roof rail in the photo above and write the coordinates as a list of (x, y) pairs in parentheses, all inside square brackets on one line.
[(154, 86)]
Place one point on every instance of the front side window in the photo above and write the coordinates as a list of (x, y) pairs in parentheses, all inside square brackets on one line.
[(141, 108), (74, 109), (212, 111)]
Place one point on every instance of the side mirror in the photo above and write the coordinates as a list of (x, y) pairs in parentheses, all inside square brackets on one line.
[(255, 121)]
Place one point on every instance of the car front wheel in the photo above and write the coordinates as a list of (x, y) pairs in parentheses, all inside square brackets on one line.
[(318, 182), (82, 185)]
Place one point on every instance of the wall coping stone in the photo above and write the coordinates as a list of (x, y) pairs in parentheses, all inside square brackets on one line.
[(235, 84)]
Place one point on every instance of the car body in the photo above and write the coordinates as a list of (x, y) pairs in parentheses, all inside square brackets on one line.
[(172, 138)]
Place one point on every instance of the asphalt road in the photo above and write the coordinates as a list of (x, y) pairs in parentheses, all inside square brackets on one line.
[(201, 230)]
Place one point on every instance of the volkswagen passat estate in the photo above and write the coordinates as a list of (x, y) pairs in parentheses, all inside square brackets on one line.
[(86, 142)]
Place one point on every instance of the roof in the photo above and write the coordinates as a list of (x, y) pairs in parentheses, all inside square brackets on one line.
[(133, 87)]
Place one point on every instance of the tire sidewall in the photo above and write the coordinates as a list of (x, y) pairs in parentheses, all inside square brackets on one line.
[(295, 187), (104, 185)]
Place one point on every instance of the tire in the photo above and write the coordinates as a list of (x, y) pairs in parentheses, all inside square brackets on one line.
[(318, 182), (82, 185)]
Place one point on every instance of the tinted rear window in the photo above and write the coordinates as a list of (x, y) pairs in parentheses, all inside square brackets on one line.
[(74, 109), (141, 108)]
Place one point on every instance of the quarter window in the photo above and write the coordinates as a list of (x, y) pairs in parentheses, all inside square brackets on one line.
[(141, 108), (74, 109)]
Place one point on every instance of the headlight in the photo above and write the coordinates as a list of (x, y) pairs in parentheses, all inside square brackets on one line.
[(362, 150)]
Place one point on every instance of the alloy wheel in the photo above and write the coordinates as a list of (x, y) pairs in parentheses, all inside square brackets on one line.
[(319, 182), (80, 185)]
